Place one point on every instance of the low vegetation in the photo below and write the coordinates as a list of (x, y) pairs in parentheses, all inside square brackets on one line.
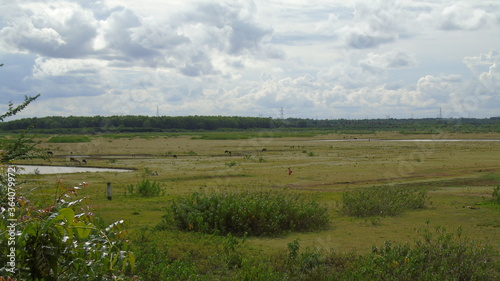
[(382, 200), (247, 213), (145, 188), (68, 139), (496, 194), (435, 255)]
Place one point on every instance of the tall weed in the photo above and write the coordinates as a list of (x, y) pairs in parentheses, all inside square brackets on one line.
[(145, 188), (382, 200), (252, 213), (437, 255)]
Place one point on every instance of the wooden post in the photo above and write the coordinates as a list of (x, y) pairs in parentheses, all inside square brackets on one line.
[(110, 195)]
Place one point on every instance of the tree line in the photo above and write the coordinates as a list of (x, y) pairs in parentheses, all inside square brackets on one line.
[(139, 123)]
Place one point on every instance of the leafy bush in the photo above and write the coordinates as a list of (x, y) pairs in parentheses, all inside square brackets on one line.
[(56, 243), (382, 200), (253, 213), (154, 263), (436, 256), (145, 188)]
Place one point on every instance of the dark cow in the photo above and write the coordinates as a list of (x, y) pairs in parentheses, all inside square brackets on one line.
[(71, 159)]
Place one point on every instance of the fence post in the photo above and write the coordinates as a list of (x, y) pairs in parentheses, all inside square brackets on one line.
[(110, 195)]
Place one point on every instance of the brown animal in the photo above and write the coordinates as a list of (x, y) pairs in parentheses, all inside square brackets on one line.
[(289, 171)]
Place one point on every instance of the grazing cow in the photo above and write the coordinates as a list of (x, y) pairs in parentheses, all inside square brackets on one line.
[(228, 152), (50, 153), (289, 171), (84, 161), (71, 159), (264, 149), (175, 156)]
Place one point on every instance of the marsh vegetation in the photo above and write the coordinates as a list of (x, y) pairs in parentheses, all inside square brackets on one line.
[(351, 210)]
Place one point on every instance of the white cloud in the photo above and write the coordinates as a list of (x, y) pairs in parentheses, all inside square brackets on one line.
[(390, 60), (61, 29), (485, 68), (465, 16), (375, 23)]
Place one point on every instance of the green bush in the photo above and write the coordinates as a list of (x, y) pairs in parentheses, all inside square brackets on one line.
[(156, 264), (145, 188), (435, 256), (253, 213), (56, 243), (382, 200)]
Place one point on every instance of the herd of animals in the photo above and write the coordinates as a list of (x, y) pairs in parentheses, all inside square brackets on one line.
[(84, 161)]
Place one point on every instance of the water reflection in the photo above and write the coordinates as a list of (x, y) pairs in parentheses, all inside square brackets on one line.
[(29, 169)]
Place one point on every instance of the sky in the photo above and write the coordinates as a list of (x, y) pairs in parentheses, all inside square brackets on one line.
[(270, 58)]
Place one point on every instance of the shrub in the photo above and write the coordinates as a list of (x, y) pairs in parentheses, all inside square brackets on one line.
[(382, 200), (56, 243), (435, 256), (145, 188), (254, 213), (154, 263)]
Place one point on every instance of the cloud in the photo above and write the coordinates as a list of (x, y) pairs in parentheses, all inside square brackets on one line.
[(232, 25), (374, 24), (463, 16), (485, 69), (390, 60), (61, 29)]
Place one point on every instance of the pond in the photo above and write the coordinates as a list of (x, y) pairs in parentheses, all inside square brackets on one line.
[(30, 169)]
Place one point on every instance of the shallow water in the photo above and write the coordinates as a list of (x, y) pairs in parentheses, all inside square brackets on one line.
[(28, 169)]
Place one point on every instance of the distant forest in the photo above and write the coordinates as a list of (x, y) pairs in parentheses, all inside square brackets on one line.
[(132, 123)]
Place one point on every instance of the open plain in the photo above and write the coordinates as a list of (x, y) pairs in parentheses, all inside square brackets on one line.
[(459, 171)]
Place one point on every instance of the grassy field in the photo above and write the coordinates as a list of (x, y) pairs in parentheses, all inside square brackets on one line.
[(459, 177)]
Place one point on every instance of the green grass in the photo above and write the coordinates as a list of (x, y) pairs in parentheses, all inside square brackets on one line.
[(382, 200), (247, 213), (69, 139), (145, 188), (459, 175)]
